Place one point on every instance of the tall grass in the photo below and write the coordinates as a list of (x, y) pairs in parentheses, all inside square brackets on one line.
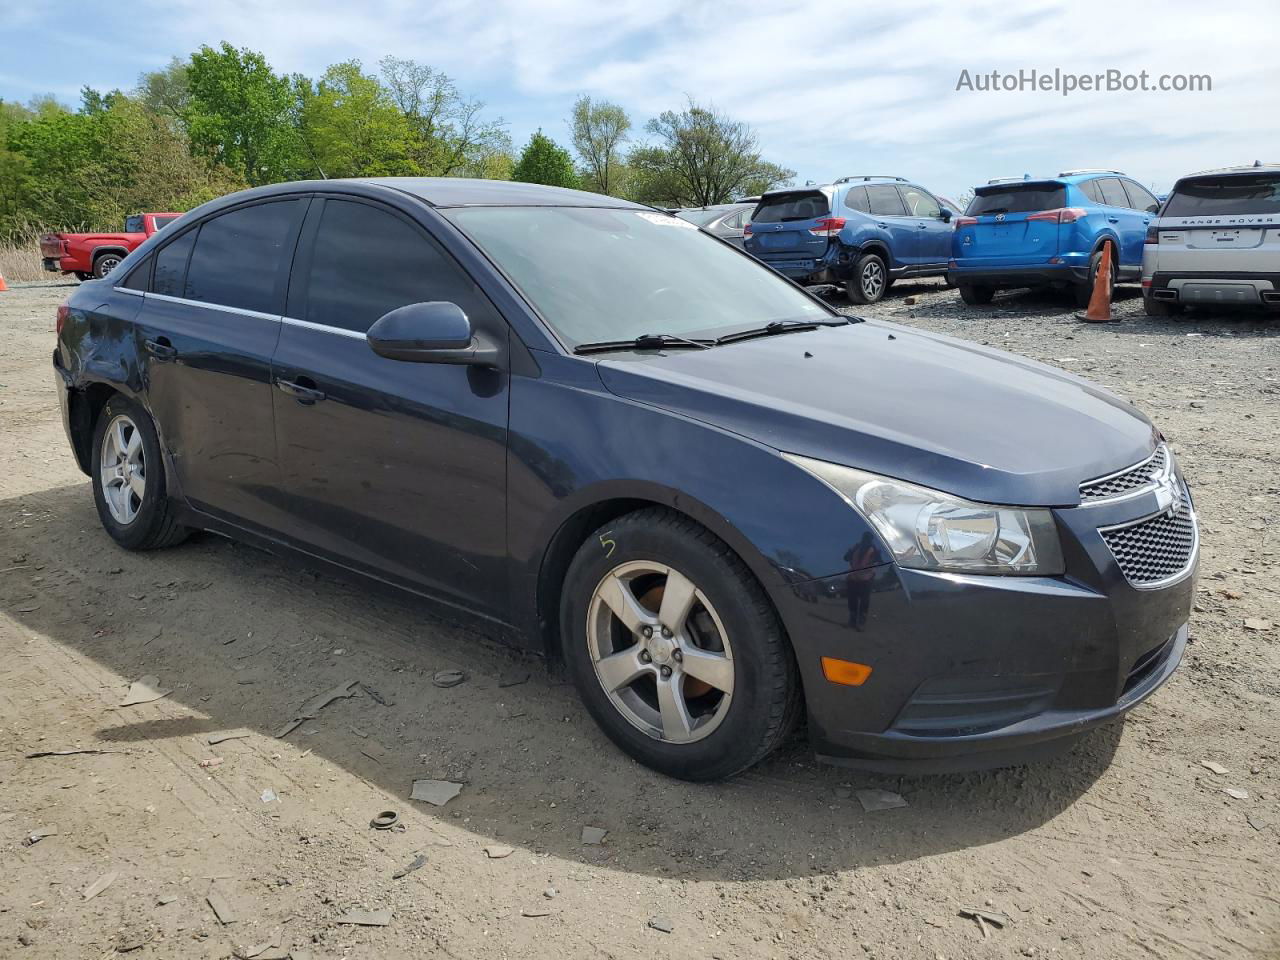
[(21, 262)]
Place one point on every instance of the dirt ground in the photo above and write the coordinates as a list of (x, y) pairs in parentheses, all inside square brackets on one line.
[(1128, 847)]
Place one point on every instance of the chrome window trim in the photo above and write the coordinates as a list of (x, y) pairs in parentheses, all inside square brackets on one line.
[(323, 328), (130, 291), (212, 306)]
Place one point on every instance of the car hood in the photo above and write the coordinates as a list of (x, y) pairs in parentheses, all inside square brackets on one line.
[(934, 410)]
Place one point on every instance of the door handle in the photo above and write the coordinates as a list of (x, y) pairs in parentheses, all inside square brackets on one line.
[(161, 349), (883, 226), (1113, 219), (300, 392)]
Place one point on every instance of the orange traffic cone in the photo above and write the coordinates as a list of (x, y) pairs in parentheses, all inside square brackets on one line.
[(3, 288), (1099, 310)]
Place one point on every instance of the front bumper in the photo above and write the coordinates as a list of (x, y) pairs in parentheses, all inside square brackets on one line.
[(971, 672)]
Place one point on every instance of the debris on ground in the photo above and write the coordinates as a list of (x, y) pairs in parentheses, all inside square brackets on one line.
[(873, 800), (167, 899), (221, 908), (385, 820), (661, 924), (448, 678), (593, 835), (1256, 623), (95, 888), (513, 678), (210, 762), (509, 713), (217, 738), (311, 709), (65, 753), (497, 851), (417, 863), (38, 834), (535, 912), (259, 951), (435, 792), (366, 918), (144, 690), (1214, 767), (375, 696), (984, 917), (288, 728), (269, 796), (1236, 793)]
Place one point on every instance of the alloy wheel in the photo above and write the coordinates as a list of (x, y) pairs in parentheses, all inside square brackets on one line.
[(123, 470), (872, 279), (660, 651)]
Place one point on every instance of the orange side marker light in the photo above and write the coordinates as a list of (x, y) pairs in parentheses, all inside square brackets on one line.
[(845, 672)]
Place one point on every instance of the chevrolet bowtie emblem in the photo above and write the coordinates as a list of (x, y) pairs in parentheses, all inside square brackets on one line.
[(1167, 496)]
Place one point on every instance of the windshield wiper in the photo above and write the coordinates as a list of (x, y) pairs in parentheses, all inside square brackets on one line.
[(780, 326), (646, 341)]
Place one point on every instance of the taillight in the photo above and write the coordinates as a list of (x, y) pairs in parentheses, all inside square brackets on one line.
[(1153, 235), (966, 221), (827, 226), (64, 312), (746, 229), (1060, 215)]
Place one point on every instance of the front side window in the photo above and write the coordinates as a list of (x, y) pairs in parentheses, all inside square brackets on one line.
[(597, 274), (171, 265), (884, 201), (239, 254), (1226, 196), (367, 261), (919, 203)]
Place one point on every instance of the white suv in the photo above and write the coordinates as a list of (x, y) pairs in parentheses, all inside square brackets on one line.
[(1216, 242)]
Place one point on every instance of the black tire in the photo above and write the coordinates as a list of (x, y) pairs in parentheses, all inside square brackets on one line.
[(104, 263), (1159, 308), (765, 703), (1084, 291), (976, 295), (153, 526), (869, 280), (81, 275)]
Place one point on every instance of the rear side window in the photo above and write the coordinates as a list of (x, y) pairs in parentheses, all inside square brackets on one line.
[(1091, 190), (367, 261), (1112, 192), (1225, 196), (884, 201), (1140, 198), (171, 265), (238, 256), (1017, 198), (785, 207), (856, 199), (919, 203)]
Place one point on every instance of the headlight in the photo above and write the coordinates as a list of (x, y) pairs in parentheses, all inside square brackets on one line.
[(930, 530)]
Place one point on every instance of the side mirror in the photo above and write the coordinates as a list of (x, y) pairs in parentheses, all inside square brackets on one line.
[(945, 215), (431, 332)]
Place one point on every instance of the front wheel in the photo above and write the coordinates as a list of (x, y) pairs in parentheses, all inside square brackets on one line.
[(869, 279), (129, 480), (675, 649), (1084, 291)]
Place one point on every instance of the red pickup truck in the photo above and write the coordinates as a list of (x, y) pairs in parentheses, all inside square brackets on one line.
[(97, 254)]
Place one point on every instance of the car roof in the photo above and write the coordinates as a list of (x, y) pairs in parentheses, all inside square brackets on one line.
[(1254, 168), (463, 192), (716, 206)]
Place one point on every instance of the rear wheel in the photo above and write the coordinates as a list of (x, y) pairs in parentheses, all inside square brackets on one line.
[(129, 480), (1084, 291), (869, 279), (976, 295), (104, 263), (675, 649)]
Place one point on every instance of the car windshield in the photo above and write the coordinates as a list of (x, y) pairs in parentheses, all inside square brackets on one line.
[(1017, 198), (701, 216), (597, 274), (1221, 196), (785, 207)]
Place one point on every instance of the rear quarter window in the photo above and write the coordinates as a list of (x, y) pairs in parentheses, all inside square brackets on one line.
[(856, 199), (171, 265), (1113, 194), (1017, 198), (1225, 196), (792, 206)]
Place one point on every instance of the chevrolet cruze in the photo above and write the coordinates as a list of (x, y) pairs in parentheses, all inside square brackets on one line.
[(624, 443)]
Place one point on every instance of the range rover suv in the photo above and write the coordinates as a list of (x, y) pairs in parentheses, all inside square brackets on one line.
[(1216, 243)]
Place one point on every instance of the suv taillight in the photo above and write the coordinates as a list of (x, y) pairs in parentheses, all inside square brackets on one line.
[(827, 226), (64, 312), (1153, 235), (746, 230), (966, 222), (1060, 215)]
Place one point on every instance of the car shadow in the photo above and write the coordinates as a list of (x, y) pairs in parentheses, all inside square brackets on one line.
[(244, 638)]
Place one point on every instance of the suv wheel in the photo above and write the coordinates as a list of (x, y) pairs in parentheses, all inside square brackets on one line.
[(105, 264), (869, 279), (128, 479), (675, 649), (1084, 291), (976, 295), (1159, 308)]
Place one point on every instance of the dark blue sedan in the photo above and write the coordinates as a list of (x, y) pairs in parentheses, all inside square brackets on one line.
[(630, 446)]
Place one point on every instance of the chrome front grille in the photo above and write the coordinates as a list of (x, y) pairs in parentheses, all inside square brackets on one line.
[(1127, 481), (1156, 550)]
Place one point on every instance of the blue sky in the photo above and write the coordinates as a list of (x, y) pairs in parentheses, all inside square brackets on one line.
[(832, 88)]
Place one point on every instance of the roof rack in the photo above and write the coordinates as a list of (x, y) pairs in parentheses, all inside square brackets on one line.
[(870, 176), (1076, 173)]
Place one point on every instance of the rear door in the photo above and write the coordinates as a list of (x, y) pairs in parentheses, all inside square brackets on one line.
[(1014, 224), (207, 330), (890, 214), (394, 467), (782, 229), (934, 235), (1221, 223)]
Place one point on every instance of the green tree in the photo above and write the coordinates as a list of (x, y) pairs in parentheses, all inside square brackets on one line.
[(351, 127), (166, 92), (599, 131), (238, 113), (545, 161), (701, 157)]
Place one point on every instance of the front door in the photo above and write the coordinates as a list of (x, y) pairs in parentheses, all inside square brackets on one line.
[(207, 329), (934, 233), (392, 466)]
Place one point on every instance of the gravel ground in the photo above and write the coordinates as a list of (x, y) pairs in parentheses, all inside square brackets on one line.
[(1128, 847)]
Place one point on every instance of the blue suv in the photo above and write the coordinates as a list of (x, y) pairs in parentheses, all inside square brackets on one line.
[(862, 232), (1050, 232)]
